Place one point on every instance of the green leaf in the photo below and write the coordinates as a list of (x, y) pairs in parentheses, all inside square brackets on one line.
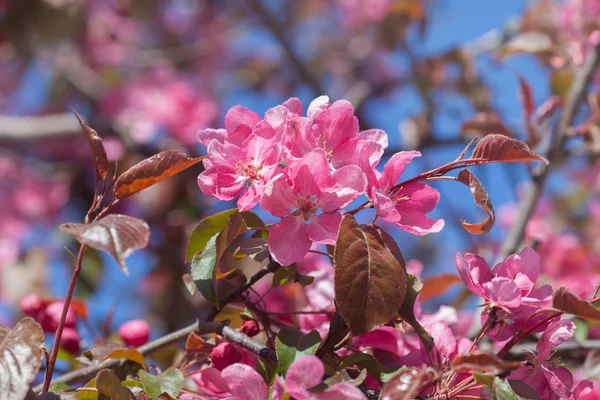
[(304, 280), (59, 387), (204, 264), (407, 311), (284, 274), (485, 379), (169, 382), (267, 369), (364, 361), (370, 282), (582, 329), (291, 345), (503, 391), (205, 230), (203, 271)]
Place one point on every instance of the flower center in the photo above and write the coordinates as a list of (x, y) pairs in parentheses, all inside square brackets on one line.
[(307, 206), (248, 170)]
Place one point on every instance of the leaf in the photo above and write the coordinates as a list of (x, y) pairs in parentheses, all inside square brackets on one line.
[(59, 387), (98, 352), (569, 303), (407, 311), (481, 199), (484, 123), (109, 385), (528, 103), (503, 391), (291, 345), (151, 171), (119, 235), (406, 384), (283, 275), (482, 362), (498, 148), (169, 382), (370, 283), (204, 264), (438, 285), (98, 152), (206, 229), (21, 354), (128, 354), (364, 361)]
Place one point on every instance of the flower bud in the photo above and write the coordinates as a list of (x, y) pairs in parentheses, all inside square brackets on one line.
[(224, 355), (50, 318), (70, 340), (135, 332), (33, 306), (250, 328)]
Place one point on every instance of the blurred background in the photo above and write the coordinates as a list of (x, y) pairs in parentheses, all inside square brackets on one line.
[(148, 74)]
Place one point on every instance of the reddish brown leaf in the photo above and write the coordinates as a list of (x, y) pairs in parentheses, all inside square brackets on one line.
[(482, 200), (438, 285), (195, 343), (119, 235), (370, 283), (21, 354), (498, 148), (152, 170), (406, 384), (569, 303), (485, 123), (98, 352), (526, 97), (98, 152), (485, 363)]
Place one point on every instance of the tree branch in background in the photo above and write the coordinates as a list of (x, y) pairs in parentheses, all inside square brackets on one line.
[(555, 152)]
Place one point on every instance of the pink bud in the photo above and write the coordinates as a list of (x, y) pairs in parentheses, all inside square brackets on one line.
[(50, 318), (250, 328), (32, 305), (224, 355), (135, 332), (70, 340)]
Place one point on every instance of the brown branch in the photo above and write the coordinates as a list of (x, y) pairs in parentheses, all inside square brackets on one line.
[(555, 153)]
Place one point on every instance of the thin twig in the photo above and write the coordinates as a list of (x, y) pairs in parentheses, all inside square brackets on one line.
[(555, 152)]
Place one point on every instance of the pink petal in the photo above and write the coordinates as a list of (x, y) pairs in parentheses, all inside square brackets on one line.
[(443, 339), (317, 105), (279, 198), (385, 208), (385, 338), (245, 383), (205, 136), (323, 228), (376, 135), (211, 382), (474, 271), (310, 173), (523, 267), (250, 197), (341, 391), (294, 105), (560, 381), (419, 197), (503, 292), (336, 124), (418, 223), (303, 374), (365, 154), (219, 185), (278, 389), (240, 121), (288, 240), (394, 168), (224, 157), (344, 186), (554, 335)]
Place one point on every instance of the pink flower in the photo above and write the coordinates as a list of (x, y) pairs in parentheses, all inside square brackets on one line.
[(224, 355), (309, 187), (236, 382), (407, 205), (307, 372), (231, 169), (508, 288), (543, 373)]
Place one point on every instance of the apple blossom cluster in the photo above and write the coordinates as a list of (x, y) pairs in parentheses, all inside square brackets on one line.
[(306, 169)]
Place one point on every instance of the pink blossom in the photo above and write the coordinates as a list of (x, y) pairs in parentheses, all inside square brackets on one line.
[(231, 169), (236, 382), (135, 332), (542, 372), (309, 187), (307, 372), (407, 205)]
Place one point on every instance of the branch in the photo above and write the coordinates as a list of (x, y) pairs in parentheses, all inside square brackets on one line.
[(555, 152), (14, 127)]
